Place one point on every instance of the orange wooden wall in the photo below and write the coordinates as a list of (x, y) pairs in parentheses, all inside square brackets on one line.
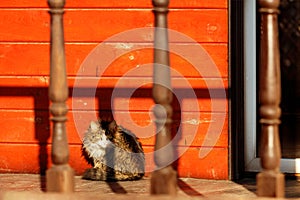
[(25, 141)]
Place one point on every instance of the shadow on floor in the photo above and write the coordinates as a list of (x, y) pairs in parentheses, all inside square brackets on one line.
[(187, 189), (292, 186)]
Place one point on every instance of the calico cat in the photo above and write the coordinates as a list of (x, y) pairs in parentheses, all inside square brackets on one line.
[(115, 152)]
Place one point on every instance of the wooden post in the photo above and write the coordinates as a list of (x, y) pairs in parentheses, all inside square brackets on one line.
[(163, 180), (60, 178), (270, 182)]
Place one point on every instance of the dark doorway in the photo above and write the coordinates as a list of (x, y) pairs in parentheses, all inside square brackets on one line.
[(289, 38)]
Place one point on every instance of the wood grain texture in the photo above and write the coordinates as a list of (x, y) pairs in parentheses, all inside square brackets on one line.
[(191, 128), (24, 78), (35, 59), (204, 25), (115, 4), (213, 166), (130, 94)]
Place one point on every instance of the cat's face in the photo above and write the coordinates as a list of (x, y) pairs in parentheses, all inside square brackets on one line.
[(96, 133), (95, 141)]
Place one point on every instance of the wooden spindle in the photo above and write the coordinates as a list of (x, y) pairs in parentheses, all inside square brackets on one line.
[(163, 180), (60, 178), (270, 182)]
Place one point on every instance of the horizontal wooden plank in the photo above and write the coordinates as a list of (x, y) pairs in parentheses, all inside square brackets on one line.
[(213, 166), (15, 158), (191, 129), (114, 82), (33, 59), (114, 4), (32, 25), (189, 164), (129, 95), (33, 158)]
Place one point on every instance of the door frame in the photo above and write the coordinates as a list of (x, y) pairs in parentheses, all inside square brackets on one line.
[(236, 89), (252, 162)]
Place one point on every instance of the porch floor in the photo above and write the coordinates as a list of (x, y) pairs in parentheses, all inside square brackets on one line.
[(29, 186)]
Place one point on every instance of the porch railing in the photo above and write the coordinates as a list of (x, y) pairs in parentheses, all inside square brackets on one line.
[(270, 182), (60, 178), (164, 180)]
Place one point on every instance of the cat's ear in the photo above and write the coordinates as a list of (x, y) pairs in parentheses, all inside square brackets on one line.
[(112, 126), (94, 126), (108, 118)]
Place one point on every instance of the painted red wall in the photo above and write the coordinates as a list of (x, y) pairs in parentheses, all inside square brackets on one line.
[(25, 141)]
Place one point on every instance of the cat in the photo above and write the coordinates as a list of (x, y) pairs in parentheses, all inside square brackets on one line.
[(115, 152)]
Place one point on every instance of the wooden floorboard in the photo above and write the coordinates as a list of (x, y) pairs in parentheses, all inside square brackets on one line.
[(29, 186)]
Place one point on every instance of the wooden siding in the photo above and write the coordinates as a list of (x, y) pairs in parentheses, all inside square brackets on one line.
[(24, 75)]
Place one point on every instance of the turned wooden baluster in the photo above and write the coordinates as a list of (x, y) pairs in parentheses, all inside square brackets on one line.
[(270, 182), (164, 179), (60, 178)]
